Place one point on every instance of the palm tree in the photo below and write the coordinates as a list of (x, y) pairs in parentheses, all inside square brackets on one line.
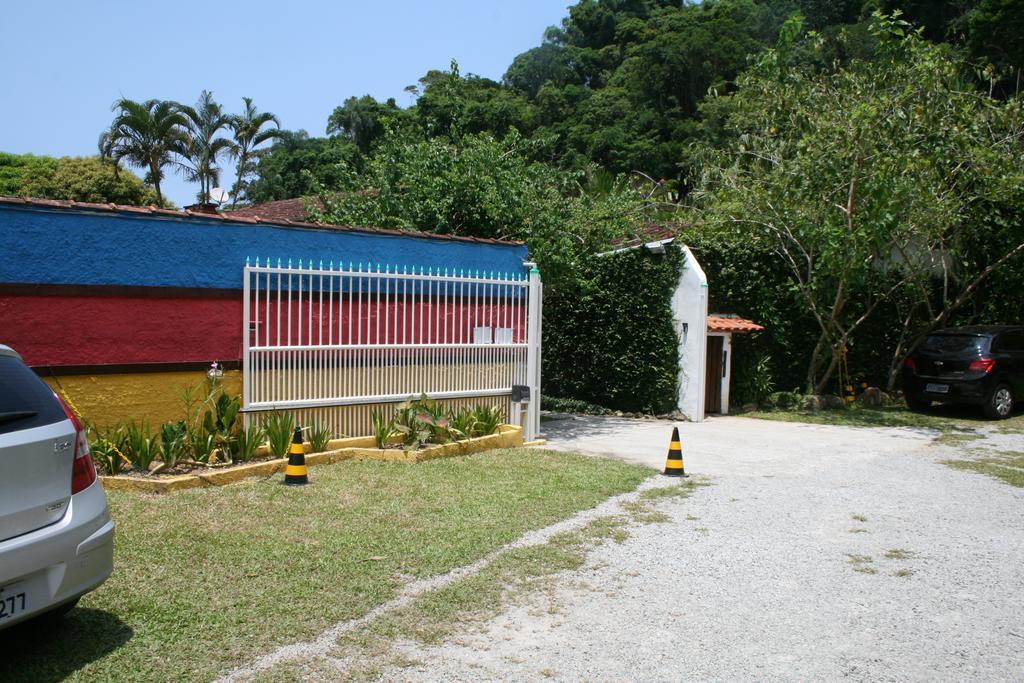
[(146, 135), (199, 162), (250, 134)]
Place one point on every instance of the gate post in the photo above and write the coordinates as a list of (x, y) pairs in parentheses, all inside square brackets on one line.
[(245, 342), (533, 331)]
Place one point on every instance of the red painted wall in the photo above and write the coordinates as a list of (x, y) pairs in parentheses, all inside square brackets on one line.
[(105, 330), (62, 330)]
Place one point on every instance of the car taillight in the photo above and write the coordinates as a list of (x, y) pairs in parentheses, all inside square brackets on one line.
[(909, 364), (982, 365), (83, 471)]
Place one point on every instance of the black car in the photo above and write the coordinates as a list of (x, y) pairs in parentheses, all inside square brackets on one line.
[(981, 365)]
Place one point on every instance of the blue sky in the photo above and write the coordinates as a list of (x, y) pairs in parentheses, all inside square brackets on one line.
[(65, 62)]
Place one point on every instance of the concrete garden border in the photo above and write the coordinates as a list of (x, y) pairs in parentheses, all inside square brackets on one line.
[(355, 448)]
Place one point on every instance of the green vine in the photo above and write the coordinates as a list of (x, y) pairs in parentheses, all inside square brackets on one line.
[(608, 332)]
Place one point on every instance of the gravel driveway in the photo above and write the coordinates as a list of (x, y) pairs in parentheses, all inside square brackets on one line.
[(817, 553)]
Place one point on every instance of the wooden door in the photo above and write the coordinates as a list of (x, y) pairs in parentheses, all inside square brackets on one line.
[(713, 376)]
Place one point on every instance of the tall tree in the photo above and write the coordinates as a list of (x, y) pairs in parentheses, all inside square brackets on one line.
[(250, 131), (872, 182), (531, 70), (150, 135), (296, 165), (204, 148), (484, 187), (620, 81), (362, 120)]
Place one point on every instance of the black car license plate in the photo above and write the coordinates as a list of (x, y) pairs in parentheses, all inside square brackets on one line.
[(937, 388), (13, 601)]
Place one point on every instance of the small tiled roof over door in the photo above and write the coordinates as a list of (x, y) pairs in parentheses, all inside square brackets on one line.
[(719, 322)]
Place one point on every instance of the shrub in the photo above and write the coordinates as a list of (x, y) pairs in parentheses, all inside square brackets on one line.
[(571, 405), (280, 429), (106, 449), (218, 430), (423, 421), (172, 443), (487, 419), (462, 422), (754, 381), (784, 400), (319, 437), (411, 423), (383, 429), (248, 440), (138, 446)]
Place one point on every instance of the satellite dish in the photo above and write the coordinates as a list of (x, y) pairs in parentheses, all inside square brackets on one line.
[(219, 195)]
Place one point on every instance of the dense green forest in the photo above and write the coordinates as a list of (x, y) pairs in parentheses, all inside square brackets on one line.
[(849, 172), (620, 84)]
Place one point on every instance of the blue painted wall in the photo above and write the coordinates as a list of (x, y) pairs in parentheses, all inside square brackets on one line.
[(61, 246)]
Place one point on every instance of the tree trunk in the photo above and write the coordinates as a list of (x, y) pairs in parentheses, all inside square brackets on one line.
[(812, 366), (820, 388), (899, 353), (155, 172), (236, 188)]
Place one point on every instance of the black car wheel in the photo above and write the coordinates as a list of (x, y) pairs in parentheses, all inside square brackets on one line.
[(917, 404), (999, 405)]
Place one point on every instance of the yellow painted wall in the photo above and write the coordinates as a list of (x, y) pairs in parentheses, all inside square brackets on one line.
[(153, 397)]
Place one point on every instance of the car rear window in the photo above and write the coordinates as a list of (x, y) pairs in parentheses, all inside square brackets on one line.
[(25, 400), (955, 344), (1010, 341)]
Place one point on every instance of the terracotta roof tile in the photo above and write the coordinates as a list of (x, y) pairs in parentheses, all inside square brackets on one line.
[(731, 323), (651, 232), (130, 209), (278, 210), (229, 218)]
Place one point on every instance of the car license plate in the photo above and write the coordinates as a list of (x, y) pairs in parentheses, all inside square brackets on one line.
[(13, 600), (937, 388)]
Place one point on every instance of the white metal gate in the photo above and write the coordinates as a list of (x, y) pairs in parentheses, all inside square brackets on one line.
[(334, 344)]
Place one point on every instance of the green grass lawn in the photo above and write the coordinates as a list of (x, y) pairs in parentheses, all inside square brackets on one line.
[(206, 579), (942, 418), (1007, 466)]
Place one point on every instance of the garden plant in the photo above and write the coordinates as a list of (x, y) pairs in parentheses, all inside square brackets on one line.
[(212, 435)]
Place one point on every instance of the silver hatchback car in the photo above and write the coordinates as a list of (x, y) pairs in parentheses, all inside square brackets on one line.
[(56, 535)]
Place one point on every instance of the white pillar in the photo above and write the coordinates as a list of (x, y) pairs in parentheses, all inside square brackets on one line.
[(533, 333), (690, 315)]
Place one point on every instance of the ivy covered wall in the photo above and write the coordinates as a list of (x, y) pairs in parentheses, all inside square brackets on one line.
[(608, 332)]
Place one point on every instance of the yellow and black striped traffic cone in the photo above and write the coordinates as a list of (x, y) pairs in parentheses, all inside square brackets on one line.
[(295, 473), (674, 462)]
